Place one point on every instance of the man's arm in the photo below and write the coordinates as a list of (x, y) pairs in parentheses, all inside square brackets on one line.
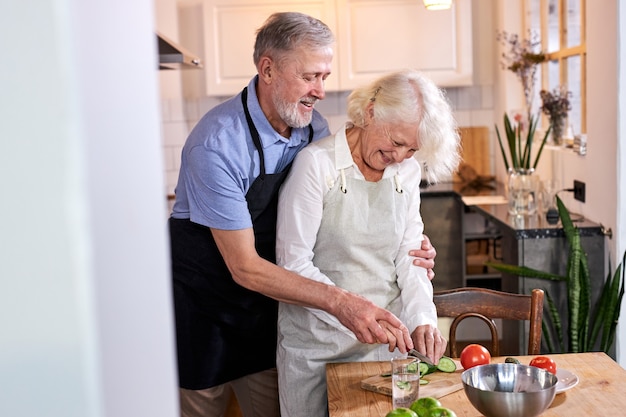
[(355, 312)]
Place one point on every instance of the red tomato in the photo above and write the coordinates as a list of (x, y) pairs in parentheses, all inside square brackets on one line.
[(473, 355), (544, 362)]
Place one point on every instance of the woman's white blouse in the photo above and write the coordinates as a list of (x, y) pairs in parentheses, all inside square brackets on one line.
[(316, 169)]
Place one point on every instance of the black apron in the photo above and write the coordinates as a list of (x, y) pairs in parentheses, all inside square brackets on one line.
[(223, 330)]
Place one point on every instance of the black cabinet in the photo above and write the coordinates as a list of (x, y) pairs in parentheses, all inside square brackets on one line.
[(442, 213)]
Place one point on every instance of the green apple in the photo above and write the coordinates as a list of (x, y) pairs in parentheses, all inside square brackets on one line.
[(440, 412), (422, 405), (401, 412)]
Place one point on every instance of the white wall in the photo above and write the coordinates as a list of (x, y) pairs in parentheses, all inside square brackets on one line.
[(85, 300)]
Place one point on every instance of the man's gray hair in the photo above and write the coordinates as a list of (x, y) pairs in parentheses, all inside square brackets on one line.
[(283, 33)]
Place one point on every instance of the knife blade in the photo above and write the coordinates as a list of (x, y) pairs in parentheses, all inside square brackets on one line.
[(423, 358)]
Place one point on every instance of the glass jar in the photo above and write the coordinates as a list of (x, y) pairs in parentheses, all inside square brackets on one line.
[(522, 190)]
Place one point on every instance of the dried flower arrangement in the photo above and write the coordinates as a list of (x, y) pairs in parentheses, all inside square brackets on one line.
[(556, 104), (522, 58)]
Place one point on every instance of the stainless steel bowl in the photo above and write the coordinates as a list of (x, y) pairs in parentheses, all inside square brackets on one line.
[(509, 390)]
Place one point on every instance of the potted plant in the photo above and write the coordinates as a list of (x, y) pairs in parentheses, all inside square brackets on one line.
[(555, 104), (586, 329), (522, 58)]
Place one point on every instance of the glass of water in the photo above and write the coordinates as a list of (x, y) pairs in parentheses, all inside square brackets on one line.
[(405, 377)]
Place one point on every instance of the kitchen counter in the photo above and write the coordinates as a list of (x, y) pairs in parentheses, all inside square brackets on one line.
[(525, 227), (454, 226)]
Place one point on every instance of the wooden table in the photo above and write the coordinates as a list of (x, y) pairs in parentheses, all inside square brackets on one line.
[(601, 390)]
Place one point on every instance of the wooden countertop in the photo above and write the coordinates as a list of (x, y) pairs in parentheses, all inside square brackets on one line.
[(599, 392)]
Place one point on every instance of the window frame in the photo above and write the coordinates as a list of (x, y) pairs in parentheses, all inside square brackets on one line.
[(563, 52)]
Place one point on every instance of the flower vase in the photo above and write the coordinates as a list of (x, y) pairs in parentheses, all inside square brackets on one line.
[(522, 190), (558, 131)]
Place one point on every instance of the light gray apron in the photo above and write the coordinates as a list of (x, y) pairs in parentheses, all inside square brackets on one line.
[(358, 240)]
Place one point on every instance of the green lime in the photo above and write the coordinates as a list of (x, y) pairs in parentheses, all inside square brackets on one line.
[(439, 412), (401, 412), (422, 405)]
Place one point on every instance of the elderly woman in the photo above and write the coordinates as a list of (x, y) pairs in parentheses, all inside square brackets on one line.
[(348, 214)]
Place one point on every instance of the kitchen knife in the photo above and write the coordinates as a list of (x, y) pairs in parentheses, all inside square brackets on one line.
[(423, 358)]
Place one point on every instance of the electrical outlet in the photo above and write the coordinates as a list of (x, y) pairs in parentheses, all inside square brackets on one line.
[(579, 191)]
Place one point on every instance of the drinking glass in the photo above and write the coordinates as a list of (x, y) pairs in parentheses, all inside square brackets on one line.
[(405, 377), (549, 189)]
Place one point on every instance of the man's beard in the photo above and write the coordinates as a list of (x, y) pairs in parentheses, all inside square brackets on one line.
[(290, 114)]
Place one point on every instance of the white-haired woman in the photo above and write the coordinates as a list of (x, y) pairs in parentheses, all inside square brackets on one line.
[(347, 215)]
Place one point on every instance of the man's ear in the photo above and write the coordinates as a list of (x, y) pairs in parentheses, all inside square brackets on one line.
[(265, 69)]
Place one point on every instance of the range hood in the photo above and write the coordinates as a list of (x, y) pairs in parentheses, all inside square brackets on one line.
[(172, 56)]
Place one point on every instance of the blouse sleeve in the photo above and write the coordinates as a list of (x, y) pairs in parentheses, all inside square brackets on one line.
[(416, 289)]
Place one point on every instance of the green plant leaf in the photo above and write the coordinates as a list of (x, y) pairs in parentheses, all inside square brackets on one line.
[(555, 320), (506, 160), (543, 143), (510, 136), (573, 291), (524, 271), (585, 302), (610, 318), (547, 337), (600, 313)]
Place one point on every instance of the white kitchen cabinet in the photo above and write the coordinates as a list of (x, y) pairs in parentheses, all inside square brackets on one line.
[(373, 38), (379, 36), (227, 29)]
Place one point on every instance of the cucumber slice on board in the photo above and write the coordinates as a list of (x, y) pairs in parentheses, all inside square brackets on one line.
[(446, 364), (426, 369)]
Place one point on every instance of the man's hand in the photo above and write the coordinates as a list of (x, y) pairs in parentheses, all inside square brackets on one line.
[(425, 257), (429, 341), (395, 338), (370, 323)]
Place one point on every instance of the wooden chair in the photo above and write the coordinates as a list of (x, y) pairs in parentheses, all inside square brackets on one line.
[(485, 304)]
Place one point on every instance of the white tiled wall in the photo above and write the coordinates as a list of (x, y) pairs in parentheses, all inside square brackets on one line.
[(473, 106)]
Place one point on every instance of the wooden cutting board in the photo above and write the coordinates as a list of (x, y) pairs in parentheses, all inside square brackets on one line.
[(439, 383), (475, 149)]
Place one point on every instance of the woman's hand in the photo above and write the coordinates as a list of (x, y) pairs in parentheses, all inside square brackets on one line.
[(429, 341)]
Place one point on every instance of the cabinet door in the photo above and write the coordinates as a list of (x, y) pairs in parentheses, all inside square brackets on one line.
[(228, 30), (378, 36)]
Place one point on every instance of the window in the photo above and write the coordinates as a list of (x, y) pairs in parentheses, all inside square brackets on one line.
[(560, 25)]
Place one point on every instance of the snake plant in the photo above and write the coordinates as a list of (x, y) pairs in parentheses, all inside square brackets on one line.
[(584, 330)]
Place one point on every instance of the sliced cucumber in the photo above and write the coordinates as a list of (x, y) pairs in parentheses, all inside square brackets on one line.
[(512, 360), (426, 369), (446, 364)]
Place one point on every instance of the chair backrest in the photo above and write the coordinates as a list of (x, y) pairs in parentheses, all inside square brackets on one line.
[(485, 304)]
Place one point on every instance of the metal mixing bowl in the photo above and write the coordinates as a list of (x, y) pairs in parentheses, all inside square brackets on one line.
[(509, 390)]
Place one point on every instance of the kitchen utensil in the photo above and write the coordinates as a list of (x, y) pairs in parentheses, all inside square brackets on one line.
[(507, 389), (423, 358)]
